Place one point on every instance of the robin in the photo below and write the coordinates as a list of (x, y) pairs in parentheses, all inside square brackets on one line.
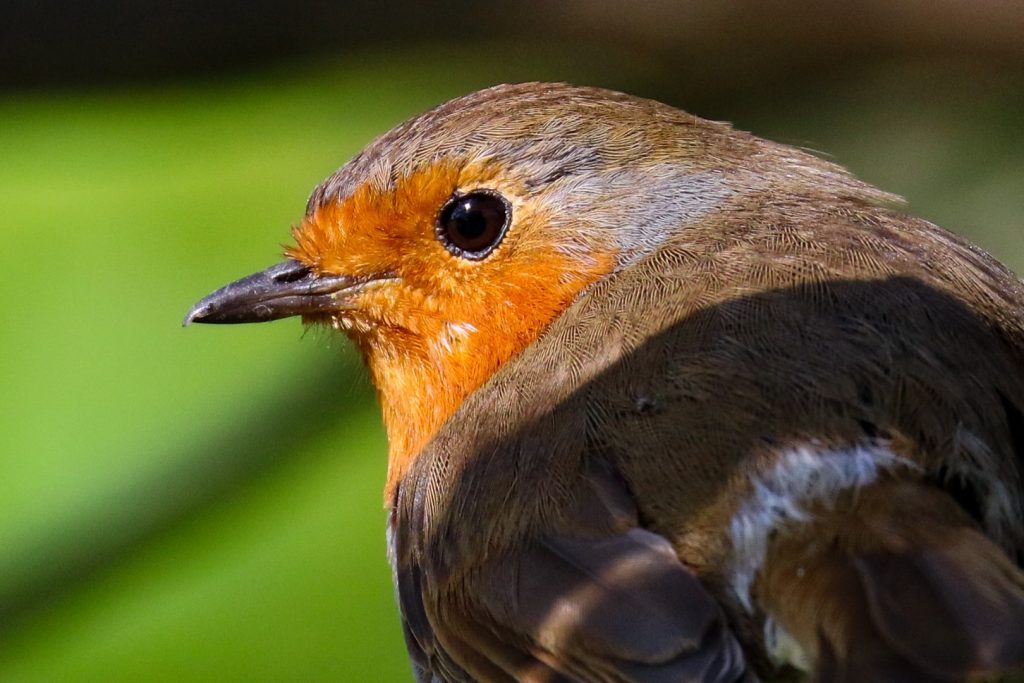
[(669, 402)]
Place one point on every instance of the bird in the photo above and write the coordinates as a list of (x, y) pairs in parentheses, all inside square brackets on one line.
[(667, 401)]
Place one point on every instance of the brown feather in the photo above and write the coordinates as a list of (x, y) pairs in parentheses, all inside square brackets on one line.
[(896, 583)]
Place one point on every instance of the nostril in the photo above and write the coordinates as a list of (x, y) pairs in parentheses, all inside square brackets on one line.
[(290, 271)]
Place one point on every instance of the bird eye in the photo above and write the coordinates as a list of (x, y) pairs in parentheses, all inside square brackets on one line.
[(472, 225)]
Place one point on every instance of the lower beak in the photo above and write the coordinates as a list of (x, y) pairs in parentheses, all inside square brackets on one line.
[(280, 291)]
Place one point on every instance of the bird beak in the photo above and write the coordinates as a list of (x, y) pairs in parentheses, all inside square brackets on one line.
[(280, 291)]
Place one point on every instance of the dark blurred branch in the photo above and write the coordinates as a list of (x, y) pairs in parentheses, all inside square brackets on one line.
[(724, 50), (711, 43)]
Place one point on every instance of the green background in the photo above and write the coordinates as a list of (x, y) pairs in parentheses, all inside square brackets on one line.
[(205, 504)]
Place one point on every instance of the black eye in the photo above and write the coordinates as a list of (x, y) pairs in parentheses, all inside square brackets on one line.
[(472, 225)]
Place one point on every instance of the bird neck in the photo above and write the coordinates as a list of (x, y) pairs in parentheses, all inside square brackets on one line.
[(425, 368), (419, 388)]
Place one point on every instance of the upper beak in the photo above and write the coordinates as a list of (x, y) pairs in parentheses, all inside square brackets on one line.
[(280, 291)]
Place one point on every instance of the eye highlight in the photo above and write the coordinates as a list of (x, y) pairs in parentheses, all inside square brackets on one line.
[(473, 224)]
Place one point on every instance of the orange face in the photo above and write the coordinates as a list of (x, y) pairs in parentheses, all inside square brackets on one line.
[(432, 321)]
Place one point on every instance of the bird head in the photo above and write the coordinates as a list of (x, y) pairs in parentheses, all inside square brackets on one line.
[(451, 242)]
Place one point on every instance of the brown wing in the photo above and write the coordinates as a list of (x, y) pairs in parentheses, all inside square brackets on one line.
[(605, 601)]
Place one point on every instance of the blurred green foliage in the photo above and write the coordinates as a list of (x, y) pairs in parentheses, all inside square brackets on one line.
[(204, 504)]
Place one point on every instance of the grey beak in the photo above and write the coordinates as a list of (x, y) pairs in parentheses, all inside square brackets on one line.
[(280, 291)]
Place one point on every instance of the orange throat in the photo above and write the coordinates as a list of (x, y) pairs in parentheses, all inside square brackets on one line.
[(420, 384), (423, 376), (426, 353), (444, 349)]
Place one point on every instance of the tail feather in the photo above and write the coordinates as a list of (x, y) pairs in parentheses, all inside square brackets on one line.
[(898, 586), (956, 611)]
